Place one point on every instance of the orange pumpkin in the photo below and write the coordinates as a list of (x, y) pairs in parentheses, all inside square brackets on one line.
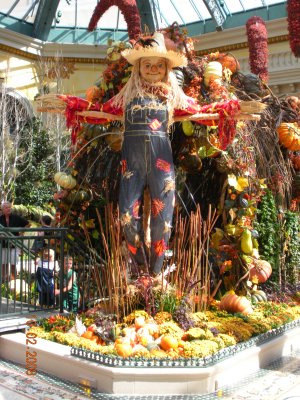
[(231, 302), (168, 342), (92, 94), (124, 349), (229, 61), (88, 334), (289, 135), (260, 270)]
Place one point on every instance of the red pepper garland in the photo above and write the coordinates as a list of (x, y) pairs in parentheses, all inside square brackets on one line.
[(127, 7), (258, 47), (293, 17)]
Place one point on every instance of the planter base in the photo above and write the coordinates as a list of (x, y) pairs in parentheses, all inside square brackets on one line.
[(55, 359)]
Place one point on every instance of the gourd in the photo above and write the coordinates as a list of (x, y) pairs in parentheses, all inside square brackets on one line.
[(246, 242), (123, 349), (168, 342), (188, 128), (258, 296), (261, 271), (78, 196), (213, 71), (64, 180), (231, 302), (289, 135)]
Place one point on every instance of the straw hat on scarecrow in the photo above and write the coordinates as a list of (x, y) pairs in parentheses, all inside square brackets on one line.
[(154, 46)]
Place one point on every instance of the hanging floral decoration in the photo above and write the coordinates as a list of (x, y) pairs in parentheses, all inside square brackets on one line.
[(293, 17), (258, 47), (127, 7)]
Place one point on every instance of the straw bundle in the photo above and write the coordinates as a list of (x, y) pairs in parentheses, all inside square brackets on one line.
[(252, 107), (50, 103)]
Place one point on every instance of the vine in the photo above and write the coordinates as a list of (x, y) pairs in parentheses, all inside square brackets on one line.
[(291, 232), (269, 231)]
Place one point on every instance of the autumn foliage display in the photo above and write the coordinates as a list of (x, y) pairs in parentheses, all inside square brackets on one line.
[(127, 7), (258, 47), (293, 16)]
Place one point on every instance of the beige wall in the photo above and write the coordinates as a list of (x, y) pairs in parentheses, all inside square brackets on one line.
[(26, 76)]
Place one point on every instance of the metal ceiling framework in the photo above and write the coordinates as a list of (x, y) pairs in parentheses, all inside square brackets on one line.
[(46, 17)]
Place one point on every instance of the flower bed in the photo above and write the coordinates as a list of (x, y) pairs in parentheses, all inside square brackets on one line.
[(141, 340)]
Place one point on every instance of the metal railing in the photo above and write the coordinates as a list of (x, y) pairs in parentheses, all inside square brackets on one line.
[(30, 282)]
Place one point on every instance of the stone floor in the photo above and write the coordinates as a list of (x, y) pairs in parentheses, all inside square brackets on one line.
[(279, 381)]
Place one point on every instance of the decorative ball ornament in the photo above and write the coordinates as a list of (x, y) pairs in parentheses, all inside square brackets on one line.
[(64, 180)]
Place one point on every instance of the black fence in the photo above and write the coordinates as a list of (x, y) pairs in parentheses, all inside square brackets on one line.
[(47, 268)]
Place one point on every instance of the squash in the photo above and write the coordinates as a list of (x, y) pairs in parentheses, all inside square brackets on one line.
[(168, 342), (78, 196), (260, 271), (258, 296), (231, 302), (64, 180), (213, 71), (289, 135), (124, 349), (188, 128)]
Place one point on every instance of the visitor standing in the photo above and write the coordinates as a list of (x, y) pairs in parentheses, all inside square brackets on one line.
[(47, 267), (9, 251), (70, 286)]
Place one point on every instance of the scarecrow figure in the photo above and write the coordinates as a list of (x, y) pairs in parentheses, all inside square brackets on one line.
[(147, 105), (148, 102)]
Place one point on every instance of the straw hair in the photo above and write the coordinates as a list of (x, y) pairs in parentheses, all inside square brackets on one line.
[(157, 48), (135, 87)]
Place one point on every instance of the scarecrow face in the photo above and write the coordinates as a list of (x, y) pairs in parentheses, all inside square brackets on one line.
[(153, 69)]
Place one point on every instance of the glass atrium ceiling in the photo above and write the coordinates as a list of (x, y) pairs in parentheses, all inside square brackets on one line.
[(201, 15)]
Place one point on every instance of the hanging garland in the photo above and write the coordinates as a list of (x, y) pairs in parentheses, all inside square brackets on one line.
[(127, 7), (258, 47), (293, 17)]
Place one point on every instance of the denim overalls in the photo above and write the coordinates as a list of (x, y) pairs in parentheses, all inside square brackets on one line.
[(147, 161)]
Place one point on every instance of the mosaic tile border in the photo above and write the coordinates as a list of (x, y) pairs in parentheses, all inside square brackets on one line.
[(248, 388), (131, 362)]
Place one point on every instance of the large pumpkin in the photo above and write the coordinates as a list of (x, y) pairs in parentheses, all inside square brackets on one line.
[(231, 302), (64, 180), (260, 271), (289, 135)]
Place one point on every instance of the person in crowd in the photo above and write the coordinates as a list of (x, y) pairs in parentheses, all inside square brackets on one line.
[(70, 286), (47, 268), (9, 249), (41, 241)]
